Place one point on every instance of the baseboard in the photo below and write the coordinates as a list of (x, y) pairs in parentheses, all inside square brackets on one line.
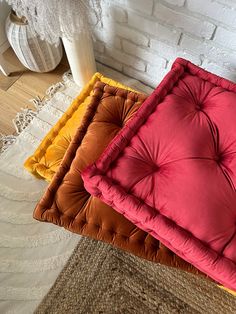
[(4, 46)]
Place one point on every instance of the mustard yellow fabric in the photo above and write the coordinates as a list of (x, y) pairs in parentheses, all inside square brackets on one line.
[(228, 290), (48, 156)]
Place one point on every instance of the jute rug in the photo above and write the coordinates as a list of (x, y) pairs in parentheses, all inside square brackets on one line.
[(101, 279)]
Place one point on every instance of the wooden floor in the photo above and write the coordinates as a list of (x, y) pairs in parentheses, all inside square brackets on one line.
[(20, 86)]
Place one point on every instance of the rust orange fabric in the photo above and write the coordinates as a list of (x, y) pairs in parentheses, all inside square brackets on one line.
[(66, 203)]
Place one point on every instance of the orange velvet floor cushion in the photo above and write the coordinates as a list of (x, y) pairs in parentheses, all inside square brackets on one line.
[(67, 203)]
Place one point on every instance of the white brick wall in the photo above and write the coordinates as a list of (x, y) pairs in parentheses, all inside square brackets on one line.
[(185, 22), (143, 6), (212, 9), (143, 37), (225, 37), (151, 27)]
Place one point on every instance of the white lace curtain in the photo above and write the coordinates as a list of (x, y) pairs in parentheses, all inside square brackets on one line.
[(52, 19)]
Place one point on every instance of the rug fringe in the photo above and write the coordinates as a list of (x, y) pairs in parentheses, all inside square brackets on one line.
[(24, 118)]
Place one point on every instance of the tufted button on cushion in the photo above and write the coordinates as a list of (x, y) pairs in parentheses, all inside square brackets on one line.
[(155, 168), (199, 107), (219, 158), (188, 128)]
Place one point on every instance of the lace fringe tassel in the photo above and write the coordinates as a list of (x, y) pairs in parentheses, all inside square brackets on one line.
[(24, 118)]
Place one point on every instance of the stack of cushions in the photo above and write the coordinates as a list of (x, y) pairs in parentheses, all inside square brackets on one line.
[(158, 171), (67, 203), (172, 170), (47, 158)]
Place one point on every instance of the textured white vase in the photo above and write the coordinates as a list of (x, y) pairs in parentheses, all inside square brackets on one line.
[(81, 58), (35, 54)]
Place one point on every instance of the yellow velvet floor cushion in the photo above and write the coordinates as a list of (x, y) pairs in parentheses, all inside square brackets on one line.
[(48, 156)]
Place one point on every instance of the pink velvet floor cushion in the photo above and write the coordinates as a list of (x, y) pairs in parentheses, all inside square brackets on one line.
[(172, 169)]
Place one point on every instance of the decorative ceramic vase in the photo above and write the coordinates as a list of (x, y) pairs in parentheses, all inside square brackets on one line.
[(35, 54)]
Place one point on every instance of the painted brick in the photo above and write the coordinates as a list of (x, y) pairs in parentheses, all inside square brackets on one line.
[(209, 50), (188, 23), (178, 3), (117, 43), (120, 15), (152, 81), (144, 54), (214, 10), (171, 53), (108, 61), (99, 46), (225, 38), (98, 34), (101, 34), (126, 59), (137, 39), (184, 55), (144, 6), (131, 34), (215, 68), (153, 28), (156, 72), (230, 3)]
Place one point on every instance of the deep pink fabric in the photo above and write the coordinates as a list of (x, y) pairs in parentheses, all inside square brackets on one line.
[(172, 169)]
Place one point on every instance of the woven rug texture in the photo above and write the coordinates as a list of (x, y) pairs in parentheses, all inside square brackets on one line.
[(99, 278)]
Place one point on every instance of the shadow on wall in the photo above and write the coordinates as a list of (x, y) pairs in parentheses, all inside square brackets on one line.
[(4, 11), (143, 38)]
